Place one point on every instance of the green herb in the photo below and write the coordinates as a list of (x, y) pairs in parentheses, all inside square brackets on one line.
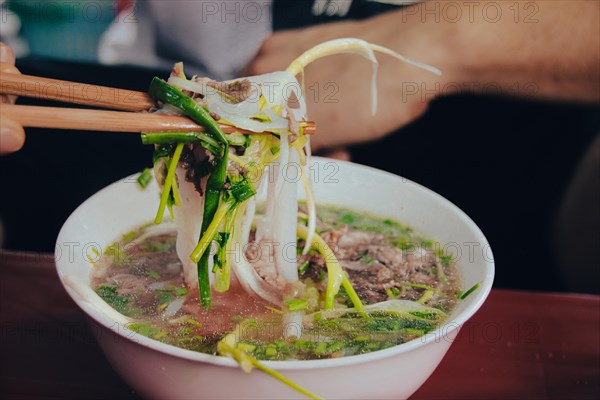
[(240, 191), (145, 178), (271, 351), (446, 260), (145, 329), (247, 347), (322, 275), (427, 244), (426, 296), (192, 321), (162, 151), (247, 362), (115, 251), (425, 315), (403, 243), (468, 292), (441, 307), (219, 257), (303, 268), (155, 246), (296, 304), (348, 218), (367, 260), (164, 296), (129, 236), (393, 292), (185, 331), (413, 332), (181, 291), (168, 138), (169, 182), (161, 90), (321, 348), (214, 185), (153, 274), (109, 294)]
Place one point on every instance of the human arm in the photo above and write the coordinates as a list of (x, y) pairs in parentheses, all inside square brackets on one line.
[(544, 50)]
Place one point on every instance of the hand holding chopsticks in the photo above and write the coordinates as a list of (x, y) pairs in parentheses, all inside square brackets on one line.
[(96, 120), (12, 135)]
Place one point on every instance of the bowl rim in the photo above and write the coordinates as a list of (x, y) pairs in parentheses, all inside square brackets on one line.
[(442, 332)]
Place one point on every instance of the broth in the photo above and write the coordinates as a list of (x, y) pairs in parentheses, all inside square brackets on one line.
[(408, 284)]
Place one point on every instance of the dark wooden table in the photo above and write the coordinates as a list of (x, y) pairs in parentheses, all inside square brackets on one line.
[(520, 345)]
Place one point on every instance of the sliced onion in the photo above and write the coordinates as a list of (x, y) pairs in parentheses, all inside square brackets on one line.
[(160, 285), (252, 282), (169, 109), (173, 307), (116, 278), (275, 86), (196, 87)]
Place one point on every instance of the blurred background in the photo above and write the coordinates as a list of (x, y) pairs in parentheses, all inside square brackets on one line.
[(527, 172)]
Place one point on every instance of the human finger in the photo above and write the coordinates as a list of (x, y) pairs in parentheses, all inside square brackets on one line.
[(7, 55), (12, 136), (8, 69)]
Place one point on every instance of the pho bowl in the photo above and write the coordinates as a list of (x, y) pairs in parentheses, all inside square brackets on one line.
[(158, 370)]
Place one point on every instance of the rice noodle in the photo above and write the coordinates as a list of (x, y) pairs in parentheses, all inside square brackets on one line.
[(285, 220), (284, 154), (250, 211), (274, 103), (252, 282), (311, 209), (188, 222), (354, 46)]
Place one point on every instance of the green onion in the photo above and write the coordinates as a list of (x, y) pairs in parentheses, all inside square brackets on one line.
[(168, 183), (146, 330), (426, 296), (145, 178), (336, 277), (296, 304), (223, 274), (247, 361), (109, 294), (153, 274), (468, 292), (393, 292), (161, 90), (303, 267)]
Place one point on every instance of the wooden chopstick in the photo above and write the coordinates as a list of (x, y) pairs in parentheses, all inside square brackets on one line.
[(94, 120), (111, 121), (73, 92)]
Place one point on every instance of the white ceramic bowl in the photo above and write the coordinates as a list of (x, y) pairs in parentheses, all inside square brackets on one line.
[(160, 371)]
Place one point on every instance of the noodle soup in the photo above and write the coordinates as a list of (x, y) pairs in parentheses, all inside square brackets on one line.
[(408, 284)]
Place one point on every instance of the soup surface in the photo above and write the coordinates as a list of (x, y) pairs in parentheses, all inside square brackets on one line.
[(407, 282)]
